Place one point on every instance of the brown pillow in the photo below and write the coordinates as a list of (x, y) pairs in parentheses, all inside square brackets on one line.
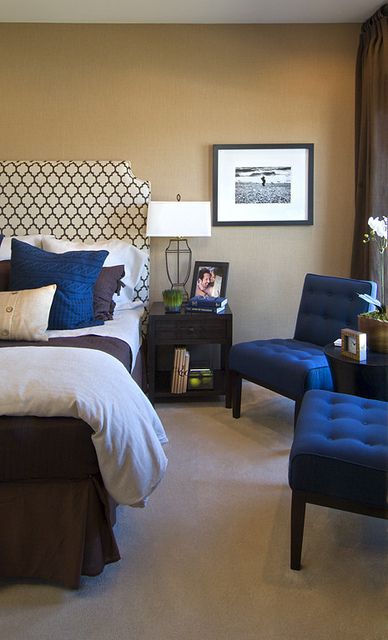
[(108, 283), (5, 268)]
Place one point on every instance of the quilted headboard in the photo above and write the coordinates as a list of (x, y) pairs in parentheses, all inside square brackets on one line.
[(87, 200)]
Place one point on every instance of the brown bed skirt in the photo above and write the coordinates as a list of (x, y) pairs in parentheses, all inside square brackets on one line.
[(57, 530), (56, 517)]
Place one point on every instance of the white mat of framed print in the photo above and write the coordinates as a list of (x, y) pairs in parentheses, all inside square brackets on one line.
[(263, 184)]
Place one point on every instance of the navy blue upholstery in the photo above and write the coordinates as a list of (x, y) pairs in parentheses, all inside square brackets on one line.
[(339, 459), (287, 365), (329, 304), (340, 448), (291, 366)]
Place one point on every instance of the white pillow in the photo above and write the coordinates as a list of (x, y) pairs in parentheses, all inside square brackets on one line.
[(5, 246), (120, 252), (24, 314)]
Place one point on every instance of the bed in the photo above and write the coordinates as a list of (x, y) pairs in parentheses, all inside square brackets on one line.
[(77, 434)]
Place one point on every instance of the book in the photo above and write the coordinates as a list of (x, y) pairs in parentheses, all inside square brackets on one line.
[(205, 309), (174, 371), (180, 369), (176, 378), (204, 302), (185, 372)]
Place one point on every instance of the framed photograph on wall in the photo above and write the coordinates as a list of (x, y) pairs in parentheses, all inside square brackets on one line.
[(209, 279), (263, 184)]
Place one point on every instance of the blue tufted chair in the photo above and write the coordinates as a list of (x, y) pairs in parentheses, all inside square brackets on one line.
[(291, 366)]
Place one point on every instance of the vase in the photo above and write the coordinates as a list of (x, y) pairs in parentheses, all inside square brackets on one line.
[(376, 333), (172, 299)]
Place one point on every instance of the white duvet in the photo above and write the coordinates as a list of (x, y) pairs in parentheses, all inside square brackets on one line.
[(95, 387)]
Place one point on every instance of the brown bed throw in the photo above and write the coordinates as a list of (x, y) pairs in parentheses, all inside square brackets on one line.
[(56, 518)]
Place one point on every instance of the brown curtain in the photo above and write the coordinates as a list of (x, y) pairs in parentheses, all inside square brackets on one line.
[(371, 141)]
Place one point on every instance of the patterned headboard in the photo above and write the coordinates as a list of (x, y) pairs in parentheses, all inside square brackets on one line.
[(87, 200)]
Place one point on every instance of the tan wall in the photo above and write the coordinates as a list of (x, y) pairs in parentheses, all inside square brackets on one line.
[(162, 95)]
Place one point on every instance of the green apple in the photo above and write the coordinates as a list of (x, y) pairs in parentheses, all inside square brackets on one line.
[(195, 383)]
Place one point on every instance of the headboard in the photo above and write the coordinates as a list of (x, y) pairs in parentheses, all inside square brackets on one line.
[(87, 200)]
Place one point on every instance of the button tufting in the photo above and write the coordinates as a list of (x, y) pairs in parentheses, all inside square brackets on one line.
[(9, 309)]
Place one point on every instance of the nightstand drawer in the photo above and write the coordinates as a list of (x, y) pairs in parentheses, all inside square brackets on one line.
[(188, 328)]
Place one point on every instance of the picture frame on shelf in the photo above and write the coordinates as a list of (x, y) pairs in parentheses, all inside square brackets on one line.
[(353, 344), (263, 184), (209, 279)]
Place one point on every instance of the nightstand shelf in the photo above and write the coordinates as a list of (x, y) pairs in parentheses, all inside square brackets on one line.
[(168, 330)]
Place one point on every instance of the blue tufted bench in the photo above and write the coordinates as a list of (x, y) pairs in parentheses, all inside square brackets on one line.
[(339, 459)]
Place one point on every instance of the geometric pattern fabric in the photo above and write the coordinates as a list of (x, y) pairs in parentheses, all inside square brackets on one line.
[(70, 199)]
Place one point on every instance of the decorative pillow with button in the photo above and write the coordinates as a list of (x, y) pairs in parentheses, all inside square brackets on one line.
[(24, 315), (108, 283)]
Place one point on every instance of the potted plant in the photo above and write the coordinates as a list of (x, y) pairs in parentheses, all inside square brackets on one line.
[(172, 299), (375, 323)]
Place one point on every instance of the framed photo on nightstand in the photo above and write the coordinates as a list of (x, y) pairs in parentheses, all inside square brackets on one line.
[(209, 279), (353, 344)]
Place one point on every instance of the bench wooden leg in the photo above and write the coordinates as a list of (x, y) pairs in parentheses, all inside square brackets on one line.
[(298, 509)]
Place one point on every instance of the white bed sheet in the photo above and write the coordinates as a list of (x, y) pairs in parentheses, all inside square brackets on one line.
[(95, 387), (126, 325)]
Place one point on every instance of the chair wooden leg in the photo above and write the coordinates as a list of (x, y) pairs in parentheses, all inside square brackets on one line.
[(298, 509), (228, 390), (236, 382), (298, 403)]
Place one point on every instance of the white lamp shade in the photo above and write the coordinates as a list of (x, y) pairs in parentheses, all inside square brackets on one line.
[(178, 219)]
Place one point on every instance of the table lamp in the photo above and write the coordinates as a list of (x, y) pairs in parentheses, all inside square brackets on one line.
[(178, 220)]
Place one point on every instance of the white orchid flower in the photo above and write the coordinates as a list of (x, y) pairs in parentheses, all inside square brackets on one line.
[(379, 226), (378, 234)]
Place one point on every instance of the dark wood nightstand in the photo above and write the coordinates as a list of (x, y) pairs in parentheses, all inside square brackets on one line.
[(196, 328)]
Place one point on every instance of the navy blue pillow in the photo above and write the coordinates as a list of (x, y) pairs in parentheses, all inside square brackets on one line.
[(74, 273)]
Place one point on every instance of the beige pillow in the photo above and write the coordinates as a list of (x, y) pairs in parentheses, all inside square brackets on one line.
[(24, 314)]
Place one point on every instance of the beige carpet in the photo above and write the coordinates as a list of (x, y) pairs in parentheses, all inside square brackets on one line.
[(208, 559)]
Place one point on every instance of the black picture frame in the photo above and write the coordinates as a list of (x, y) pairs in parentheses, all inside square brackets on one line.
[(220, 270), (263, 184)]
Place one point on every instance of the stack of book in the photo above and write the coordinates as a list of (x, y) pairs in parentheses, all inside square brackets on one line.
[(180, 370), (210, 305)]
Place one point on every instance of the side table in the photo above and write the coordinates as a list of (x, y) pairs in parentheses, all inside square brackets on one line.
[(366, 378), (172, 329)]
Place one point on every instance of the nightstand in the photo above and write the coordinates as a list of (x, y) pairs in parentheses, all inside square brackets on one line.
[(175, 329)]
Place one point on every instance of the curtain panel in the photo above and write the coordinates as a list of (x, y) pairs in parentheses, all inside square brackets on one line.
[(371, 141)]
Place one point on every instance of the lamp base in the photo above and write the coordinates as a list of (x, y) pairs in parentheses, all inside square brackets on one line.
[(178, 261)]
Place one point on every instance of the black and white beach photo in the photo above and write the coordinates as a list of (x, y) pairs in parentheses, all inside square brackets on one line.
[(263, 185)]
